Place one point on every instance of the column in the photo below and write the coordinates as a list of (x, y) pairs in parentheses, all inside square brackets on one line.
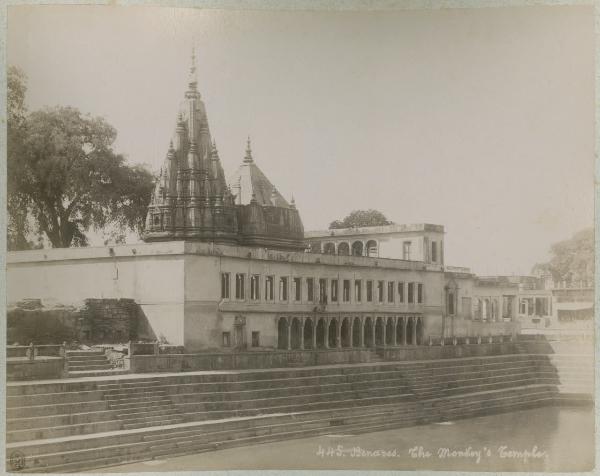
[(338, 332), (289, 333), (302, 319), (404, 325), (395, 336), (351, 332), (326, 320), (314, 333), (384, 332)]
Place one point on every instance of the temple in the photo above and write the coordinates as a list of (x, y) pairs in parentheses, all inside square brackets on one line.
[(193, 202)]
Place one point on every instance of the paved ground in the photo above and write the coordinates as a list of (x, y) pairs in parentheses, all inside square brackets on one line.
[(546, 439)]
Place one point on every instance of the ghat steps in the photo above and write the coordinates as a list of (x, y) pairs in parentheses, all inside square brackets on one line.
[(89, 363), (72, 425)]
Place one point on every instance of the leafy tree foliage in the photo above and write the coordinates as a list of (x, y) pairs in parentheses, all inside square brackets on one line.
[(18, 225), (64, 174), (358, 218), (572, 260)]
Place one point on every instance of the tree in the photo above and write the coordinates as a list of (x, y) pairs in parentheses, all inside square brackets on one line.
[(358, 218), (572, 260), (18, 223), (68, 178)]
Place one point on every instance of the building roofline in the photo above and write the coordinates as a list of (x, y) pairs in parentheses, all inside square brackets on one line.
[(181, 248), (374, 230)]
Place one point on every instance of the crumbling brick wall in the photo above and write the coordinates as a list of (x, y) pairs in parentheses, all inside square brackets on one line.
[(109, 320)]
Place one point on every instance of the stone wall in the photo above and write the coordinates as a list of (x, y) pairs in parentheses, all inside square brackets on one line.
[(97, 321)]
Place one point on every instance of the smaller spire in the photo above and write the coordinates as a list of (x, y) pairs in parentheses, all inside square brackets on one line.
[(214, 153), (248, 159), (274, 197), (292, 202), (253, 198)]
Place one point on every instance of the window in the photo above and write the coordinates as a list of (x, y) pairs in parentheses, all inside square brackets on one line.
[(334, 290), (369, 291), (226, 339), (390, 291), (433, 251), (400, 292), (255, 287), (269, 285), (297, 284), (411, 293), (240, 289), (406, 250), (283, 288), (541, 306), (346, 290), (380, 291), (420, 293), (450, 303), (255, 339), (358, 290), (507, 307), (310, 289), (224, 285), (323, 291)]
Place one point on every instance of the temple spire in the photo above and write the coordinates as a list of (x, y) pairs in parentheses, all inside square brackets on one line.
[(193, 80), (248, 159)]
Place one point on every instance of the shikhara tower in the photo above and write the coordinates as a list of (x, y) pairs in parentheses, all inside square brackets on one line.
[(192, 200)]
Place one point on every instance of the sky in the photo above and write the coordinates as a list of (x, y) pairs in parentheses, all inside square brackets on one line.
[(481, 120)]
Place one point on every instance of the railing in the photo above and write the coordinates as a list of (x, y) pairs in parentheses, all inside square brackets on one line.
[(32, 351)]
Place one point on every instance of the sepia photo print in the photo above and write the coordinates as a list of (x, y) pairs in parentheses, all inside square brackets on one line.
[(261, 238)]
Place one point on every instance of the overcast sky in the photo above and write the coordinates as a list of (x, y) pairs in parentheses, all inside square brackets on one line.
[(481, 120)]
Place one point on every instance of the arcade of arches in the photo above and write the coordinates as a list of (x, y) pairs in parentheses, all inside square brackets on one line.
[(307, 333)]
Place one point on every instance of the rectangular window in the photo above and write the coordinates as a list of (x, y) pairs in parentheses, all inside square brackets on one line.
[(390, 291), (433, 251), (297, 289), (346, 290), (226, 339), (334, 290), (450, 303), (240, 286), (420, 293), (400, 292), (224, 285), (380, 285), (310, 289), (323, 291), (369, 291), (255, 287), (411, 293), (269, 287), (255, 339), (283, 288), (357, 290), (406, 250)]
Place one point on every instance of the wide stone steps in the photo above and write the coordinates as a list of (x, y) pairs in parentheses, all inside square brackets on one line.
[(195, 441), (158, 416)]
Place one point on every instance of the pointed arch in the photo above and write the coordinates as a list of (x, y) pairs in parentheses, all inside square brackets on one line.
[(282, 333), (308, 333)]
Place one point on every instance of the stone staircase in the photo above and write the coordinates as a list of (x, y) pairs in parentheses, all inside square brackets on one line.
[(89, 363), (78, 425)]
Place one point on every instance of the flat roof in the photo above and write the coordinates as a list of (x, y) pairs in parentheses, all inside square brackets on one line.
[(182, 248), (374, 230)]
